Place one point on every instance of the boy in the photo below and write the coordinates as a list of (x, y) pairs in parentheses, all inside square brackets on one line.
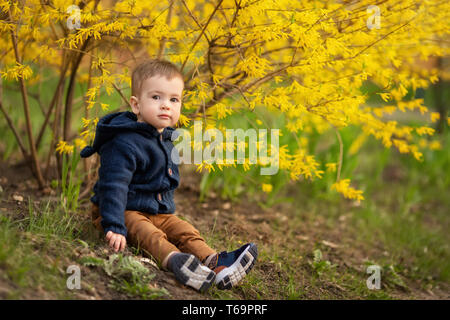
[(133, 197)]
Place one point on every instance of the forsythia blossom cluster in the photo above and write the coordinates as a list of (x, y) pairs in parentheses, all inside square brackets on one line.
[(302, 61)]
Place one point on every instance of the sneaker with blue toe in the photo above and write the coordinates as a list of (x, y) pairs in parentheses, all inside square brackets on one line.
[(232, 267)]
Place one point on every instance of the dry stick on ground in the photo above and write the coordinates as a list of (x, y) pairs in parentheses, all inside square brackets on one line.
[(26, 108)]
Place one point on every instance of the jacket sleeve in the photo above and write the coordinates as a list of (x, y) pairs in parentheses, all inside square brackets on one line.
[(117, 166)]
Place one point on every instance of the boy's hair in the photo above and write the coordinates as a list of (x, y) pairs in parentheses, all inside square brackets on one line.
[(151, 68)]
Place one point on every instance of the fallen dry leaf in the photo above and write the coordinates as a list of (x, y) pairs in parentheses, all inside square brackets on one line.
[(330, 244), (150, 262), (304, 238)]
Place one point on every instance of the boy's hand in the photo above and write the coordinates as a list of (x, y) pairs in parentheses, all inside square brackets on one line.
[(116, 241)]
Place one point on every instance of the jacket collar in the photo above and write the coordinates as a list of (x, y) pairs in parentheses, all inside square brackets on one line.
[(150, 130)]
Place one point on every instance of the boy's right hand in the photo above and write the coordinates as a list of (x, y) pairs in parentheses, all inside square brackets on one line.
[(116, 241)]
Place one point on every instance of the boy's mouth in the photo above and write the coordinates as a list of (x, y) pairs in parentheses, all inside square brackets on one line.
[(164, 116)]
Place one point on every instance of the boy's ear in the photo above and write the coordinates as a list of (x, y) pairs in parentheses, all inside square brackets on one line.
[(134, 105)]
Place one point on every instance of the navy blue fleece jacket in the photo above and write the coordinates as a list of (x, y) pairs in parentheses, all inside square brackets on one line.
[(136, 169)]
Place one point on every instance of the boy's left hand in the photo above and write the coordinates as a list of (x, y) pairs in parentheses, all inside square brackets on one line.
[(116, 241)]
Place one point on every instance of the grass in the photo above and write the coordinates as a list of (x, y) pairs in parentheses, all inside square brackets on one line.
[(36, 250), (401, 227), (127, 275), (25, 258)]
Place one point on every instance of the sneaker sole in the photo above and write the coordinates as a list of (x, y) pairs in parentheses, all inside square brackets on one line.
[(189, 271), (232, 275)]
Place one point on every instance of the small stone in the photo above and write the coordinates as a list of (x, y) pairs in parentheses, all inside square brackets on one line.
[(18, 198), (226, 206)]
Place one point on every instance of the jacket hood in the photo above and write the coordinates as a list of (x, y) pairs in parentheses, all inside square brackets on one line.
[(114, 123)]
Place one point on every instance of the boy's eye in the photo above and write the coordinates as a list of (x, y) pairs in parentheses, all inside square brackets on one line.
[(155, 97), (174, 100)]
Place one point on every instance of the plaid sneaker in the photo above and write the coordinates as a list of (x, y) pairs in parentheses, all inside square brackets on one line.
[(232, 267), (189, 271)]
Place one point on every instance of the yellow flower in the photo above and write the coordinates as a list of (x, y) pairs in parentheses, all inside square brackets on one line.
[(385, 96), (222, 110), (19, 71), (86, 122), (435, 145), (183, 120), (267, 187), (64, 147), (331, 167), (342, 186), (435, 116), (205, 165), (425, 130), (80, 143)]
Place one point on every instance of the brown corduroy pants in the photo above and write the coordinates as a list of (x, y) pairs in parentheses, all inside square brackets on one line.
[(160, 234)]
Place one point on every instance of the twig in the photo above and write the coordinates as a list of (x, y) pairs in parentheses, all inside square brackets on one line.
[(14, 130), (52, 104), (70, 89), (201, 33), (164, 39), (26, 108), (341, 152), (56, 120)]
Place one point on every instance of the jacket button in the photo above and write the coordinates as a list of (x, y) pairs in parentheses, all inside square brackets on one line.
[(159, 196), (170, 171)]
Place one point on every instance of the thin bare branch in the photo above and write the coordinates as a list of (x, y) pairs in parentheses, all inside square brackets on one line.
[(26, 108), (201, 33)]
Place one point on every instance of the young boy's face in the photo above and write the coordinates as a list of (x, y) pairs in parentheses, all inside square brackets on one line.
[(159, 102)]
